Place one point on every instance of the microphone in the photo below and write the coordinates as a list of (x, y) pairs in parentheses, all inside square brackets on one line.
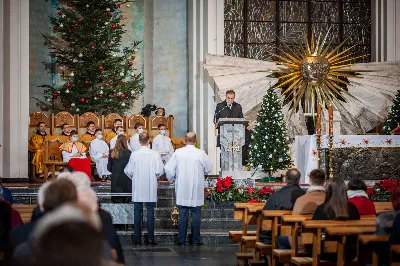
[(215, 116)]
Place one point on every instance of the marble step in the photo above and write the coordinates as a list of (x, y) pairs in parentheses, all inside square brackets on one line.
[(205, 213), (169, 236), (206, 223)]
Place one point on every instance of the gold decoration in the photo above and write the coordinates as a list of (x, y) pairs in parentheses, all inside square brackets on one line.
[(315, 73), (175, 215)]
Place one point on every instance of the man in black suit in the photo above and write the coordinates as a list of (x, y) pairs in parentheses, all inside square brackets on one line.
[(228, 108)]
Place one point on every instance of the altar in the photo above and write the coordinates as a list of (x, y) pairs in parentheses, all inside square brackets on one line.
[(370, 157)]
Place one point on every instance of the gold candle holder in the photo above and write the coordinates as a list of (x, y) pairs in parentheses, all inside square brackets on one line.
[(318, 133), (175, 215), (330, 113)]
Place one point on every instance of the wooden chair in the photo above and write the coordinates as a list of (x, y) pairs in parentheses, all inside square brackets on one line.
[(85, 118), (25, 210), (108, 122), (63, 118), (52, 157), (371, 248), (154, 121), (132, 120), (178, 143)]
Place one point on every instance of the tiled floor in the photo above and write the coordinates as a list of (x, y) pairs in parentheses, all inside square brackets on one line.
[(171, 255)]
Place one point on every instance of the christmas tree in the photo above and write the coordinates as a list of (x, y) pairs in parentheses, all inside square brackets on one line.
[(96, 72), (393, 119), (269, 145)]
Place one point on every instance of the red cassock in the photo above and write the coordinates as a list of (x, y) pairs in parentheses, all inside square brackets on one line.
[(82, 165)]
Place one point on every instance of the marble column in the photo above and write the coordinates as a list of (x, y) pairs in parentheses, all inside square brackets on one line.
[(205, 35), (14, 82)]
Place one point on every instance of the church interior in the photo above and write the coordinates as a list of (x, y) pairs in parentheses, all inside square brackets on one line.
[(274, 123)]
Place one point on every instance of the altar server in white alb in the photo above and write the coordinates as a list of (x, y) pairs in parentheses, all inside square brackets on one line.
[(144, 167), (99, 152), (162, 144), (188, 166), (134, 140), (120, 131)]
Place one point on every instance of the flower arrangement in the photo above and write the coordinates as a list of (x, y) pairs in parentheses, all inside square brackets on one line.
[(225, 190), (382, 190)]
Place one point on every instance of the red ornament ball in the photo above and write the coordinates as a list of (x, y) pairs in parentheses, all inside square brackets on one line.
[(117, 39), (54, 27), (55, 95), (69, 4), (131, 63), (122, 82), (86, 81), (100, 95), (59, 12), (122, 95), (68, 85), (116, 6), (107, 46), (107, 84), (54, 53), (114, 26), (133, 57), (101, 68), (93, 47), (82, 100), (76, 24), (45, 91), (69, 30), (94, 19), (108, 107), (114, 94)]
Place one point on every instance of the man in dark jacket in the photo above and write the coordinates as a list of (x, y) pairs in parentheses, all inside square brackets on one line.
[(284, 198), (228, 108)]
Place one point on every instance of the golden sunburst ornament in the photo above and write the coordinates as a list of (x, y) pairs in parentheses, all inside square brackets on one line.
[(315, 73)]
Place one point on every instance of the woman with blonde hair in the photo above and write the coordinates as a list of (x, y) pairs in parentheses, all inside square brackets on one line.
[(119, 158)]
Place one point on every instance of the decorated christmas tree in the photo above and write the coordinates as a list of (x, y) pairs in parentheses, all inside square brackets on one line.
[(96, 70), (269, 145), (393, 119)]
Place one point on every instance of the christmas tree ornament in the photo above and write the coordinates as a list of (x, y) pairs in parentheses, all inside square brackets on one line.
[(69, 30), (68, 84), (114, 26), (270, 156), (49, 99), (86, 81), (122, 104), (101, 67), (67, 91), (82, 100), (101, 92), (101, 95), (54, 27), (69, 5), (116, 6), (87, 6), (45, 91), (106, 23), (133, 57), (114, 94), (94, 19), (107, 84), (72, 105), (93, 47), (131, 63), (63, 16), (55, 95), (122, 95), (59, 12), (72, 74), (77, 110), (54, 54), (61, 25), (76, 24), (75, 60), (117, 39), (80, 54), (95, 98), (122, 74), (108, 107), (107, 9)]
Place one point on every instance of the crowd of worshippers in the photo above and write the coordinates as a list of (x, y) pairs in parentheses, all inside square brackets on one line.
[(331, 200), (74, 152)]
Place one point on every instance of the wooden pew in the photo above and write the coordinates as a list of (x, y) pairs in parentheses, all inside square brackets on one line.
[(317, 227), (371, 248), (25, 210), (240, 212), (383, 207), (394, 255)]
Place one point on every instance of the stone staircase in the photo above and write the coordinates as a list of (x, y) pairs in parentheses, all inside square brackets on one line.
[(216, 221)]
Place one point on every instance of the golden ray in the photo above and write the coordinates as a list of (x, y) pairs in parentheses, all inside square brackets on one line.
[(290, 74), (339, 54), (354, 58), (293, 53), (297, 82), (288, 81)]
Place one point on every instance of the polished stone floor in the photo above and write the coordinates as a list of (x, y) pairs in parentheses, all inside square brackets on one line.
[(207, 255)]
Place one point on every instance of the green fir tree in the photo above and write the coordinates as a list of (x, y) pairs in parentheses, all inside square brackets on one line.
[(86, 52), (269, 145), (393, 119)]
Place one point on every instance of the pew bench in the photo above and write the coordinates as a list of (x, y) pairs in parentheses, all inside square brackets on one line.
[(370, 248), (395, 255), (25, 210)]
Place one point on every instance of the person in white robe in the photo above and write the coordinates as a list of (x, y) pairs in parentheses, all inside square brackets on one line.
[(134, 140), (120, 131), (99, 152), (188, 167), (144, 167), (162, 144)]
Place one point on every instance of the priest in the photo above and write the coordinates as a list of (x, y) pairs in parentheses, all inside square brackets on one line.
[(144, 167), (66, 130), (36, 145), (90, 133), (74, 153), (162, 144), (99, 152), (188, 166)]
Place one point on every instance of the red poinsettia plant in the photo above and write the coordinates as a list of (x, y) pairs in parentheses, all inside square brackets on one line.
[(225, 190), (382, 190)]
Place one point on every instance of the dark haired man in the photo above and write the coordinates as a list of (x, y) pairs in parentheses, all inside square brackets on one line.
[(90, 133), (134, 140), (36, 145), (228, 108), (66, 130), (111, 134)]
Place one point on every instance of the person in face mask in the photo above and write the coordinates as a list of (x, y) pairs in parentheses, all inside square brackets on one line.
[(74, 153), (120, 131), (134, 140), (99, 152), (162, 144)]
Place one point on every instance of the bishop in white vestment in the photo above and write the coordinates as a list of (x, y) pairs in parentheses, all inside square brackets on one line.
[(144, 167), (99, 152), (188, 167), (162, 144)]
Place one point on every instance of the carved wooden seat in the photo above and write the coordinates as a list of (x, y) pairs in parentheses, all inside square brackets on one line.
[(87, 117), (52, 156)]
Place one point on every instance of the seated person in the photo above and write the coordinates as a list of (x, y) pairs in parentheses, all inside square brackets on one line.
[(160, 111), (134, 140), (384, 221), (162, 144), (73, 153), (99, 152), (308, 203), (357, 194), (90, 133), (120, 131), (284, 198), (111, 134), (66, 130), (336, 207), (36, 145)]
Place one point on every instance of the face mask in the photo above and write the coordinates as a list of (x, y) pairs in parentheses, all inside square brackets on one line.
[(162, 132), (140, 131), (74, 139), (120, 132), (99, 136)]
